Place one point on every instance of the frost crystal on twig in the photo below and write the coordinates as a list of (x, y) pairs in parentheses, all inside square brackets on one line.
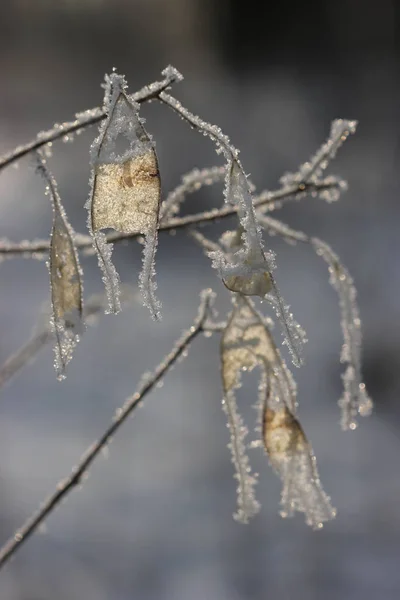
[(247, 343), (230, 241), (244, 345), (125, 197), (312, 170), (246, 271), (355, 400), (294, 335), (44, 334), (65, 278), (126, 191), (247, 505), (191, 182)]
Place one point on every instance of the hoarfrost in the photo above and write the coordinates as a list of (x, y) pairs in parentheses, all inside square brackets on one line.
[(172, 74), (247, 342), (355, 400), (243, 346), (292, 458), (247, 270), (294, 335), (65, 279), (126, 189), (191, 182), (312, 170), (247, 504)]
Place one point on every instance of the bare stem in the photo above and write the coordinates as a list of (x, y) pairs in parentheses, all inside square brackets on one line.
[(75, 478), (94, 306), (30, 249), (85, 119)]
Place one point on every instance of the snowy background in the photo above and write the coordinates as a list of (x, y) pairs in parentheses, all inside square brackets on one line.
[(153, 521)]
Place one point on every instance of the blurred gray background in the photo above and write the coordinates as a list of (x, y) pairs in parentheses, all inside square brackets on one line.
[(153, 521)]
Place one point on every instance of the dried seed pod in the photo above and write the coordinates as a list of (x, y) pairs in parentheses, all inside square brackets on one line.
[(245, 344), (65, 279), (245, 269), (126, 189), (292, 457)]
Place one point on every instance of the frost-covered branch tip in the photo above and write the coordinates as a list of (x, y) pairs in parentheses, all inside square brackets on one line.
[(87, 118), (312, 170), (247, 343)]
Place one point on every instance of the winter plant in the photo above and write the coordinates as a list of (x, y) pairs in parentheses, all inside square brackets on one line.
[(125, 197)]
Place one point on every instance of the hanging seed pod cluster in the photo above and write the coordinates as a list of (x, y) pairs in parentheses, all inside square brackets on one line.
[(125, 203)]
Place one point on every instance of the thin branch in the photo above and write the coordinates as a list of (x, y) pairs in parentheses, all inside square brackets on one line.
[(44, 335), (36, 249), (191, 182), (355, 400), (75, 478), (87, 118), (24, 355)]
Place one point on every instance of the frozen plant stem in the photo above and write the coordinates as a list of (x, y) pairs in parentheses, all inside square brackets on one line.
[(355, 400), (73, 480), (94, 306), (35, 249), (86, 119)]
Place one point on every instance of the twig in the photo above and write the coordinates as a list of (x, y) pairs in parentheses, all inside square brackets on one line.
[(28, 249), (75, 478), (27, 353), (24, 355), (355, 400), (86, 119)]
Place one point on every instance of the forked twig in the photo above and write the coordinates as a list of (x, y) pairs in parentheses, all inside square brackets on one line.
[(36, 249), (75, 478)]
